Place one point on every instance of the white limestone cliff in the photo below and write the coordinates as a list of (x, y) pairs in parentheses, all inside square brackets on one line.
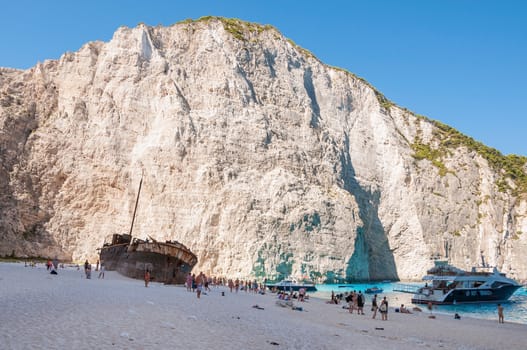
[(256, 155)]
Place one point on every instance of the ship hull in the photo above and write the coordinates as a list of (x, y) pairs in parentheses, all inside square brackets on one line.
[(292, 287), (462, 296), (168, 263)]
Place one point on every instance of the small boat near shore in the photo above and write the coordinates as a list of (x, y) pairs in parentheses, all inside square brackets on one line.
[(292, 285), (446, 284), (373, 290)]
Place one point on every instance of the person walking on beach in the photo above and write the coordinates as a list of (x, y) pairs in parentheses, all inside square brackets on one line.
[(199, 284), (354, 302), (193, 282), (101, 271), (500, 314), (147, 277), (301, 294), (189, 282), (86, 265), (206, 283), (384, 309), (430, 307), (374, 306), (360, 303)]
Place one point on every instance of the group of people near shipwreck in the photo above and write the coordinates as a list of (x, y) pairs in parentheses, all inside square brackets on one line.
[(201, 284), (98, 267)]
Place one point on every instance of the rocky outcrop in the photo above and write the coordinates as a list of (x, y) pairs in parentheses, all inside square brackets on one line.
[(256, 155)]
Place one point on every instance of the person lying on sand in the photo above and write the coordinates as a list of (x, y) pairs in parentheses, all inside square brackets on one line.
[(404, 310)]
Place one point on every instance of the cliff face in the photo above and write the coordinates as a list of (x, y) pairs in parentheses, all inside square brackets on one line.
[(257, 156)]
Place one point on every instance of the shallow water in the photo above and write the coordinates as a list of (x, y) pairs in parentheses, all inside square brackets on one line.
[(515, 309)]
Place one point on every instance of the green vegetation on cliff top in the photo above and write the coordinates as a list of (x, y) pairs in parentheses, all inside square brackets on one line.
[(236, 27), (510, 166)]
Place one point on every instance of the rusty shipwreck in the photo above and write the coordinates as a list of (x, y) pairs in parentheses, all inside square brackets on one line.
[(168, 262)]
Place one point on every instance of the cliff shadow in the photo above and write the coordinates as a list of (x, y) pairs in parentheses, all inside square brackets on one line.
[(310, 90), (372, 258)]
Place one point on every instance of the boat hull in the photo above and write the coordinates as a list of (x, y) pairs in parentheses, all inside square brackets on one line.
[(462, 296), (295, 288), (168, 263), (373, 291)]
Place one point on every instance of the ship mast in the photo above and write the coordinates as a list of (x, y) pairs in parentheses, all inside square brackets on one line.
[(135, 208)]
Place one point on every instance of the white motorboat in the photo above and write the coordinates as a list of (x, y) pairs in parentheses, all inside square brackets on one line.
[(292, 285), (446, 284)]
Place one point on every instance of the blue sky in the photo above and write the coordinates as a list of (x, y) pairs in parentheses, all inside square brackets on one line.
[(462, 62)]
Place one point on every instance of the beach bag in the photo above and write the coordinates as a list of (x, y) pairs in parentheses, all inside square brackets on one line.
[(383, 308)]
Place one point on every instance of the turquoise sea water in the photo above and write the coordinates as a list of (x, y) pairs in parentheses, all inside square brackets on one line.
[(515, 309)]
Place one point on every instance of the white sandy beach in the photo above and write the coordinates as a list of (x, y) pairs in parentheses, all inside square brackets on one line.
[(67, 311)]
